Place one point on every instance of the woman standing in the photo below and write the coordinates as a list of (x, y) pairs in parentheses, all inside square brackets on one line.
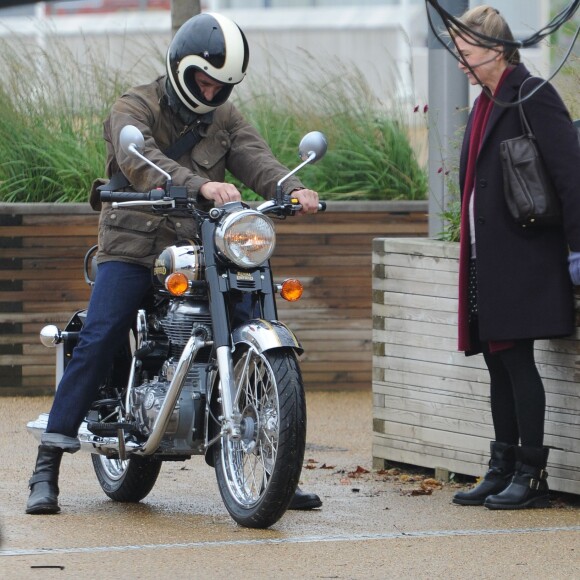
[(514, 282)]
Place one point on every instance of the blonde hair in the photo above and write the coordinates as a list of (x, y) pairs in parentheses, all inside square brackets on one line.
[(489, 22)]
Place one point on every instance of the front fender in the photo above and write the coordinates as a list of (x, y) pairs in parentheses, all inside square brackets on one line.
[(265, 335), (261, 335)]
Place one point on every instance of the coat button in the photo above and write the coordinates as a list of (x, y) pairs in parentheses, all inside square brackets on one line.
[(205, 162), (178, 225), (149, 223), (483, 182), (480, 220), (113, 216)]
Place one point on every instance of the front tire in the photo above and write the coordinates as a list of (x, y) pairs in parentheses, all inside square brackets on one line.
[(126, 481), (257, 475)]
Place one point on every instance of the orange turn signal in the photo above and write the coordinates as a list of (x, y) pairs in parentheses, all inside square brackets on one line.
[(177, 283), (291, 289)]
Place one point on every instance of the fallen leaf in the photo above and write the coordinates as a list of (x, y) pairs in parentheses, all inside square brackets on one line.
[(358, 471), (324, 466), (415, 492), (431, 484)]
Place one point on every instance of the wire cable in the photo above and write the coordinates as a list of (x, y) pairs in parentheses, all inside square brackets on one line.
[(454, 26)]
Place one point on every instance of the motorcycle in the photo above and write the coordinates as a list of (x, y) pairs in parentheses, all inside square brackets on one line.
[(194, 377)]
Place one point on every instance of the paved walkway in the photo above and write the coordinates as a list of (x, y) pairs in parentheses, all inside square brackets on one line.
[(389, 524)]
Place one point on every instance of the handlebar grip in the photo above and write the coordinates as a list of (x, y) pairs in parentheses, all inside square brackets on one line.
[(321, 204), (125, 196)]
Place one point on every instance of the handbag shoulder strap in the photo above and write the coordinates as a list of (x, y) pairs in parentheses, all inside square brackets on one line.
[(525, 124)]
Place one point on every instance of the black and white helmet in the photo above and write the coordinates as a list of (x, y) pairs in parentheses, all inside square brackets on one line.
[(213, 44)]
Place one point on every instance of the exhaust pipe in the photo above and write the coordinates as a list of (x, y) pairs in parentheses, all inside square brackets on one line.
[(112, 446)]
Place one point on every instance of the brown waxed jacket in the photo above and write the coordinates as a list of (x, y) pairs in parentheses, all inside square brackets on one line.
[(229, 142)]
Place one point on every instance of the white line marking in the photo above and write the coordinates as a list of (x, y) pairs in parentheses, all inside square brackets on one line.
[(293, 540)]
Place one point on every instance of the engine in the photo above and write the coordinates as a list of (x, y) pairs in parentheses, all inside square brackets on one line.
[(147, 399), (178, 321), (182, 320)]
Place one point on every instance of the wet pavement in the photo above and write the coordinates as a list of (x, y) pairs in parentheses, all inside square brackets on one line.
[(373, 524)]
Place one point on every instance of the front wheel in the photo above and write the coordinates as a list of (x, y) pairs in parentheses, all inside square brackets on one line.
[(257, 474), (126, 481)]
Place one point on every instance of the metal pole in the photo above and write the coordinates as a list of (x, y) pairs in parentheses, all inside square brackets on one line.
[(448, 100), (181, 11)]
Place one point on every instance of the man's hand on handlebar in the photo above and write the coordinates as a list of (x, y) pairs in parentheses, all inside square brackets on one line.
[(307, 198), (220, 193)]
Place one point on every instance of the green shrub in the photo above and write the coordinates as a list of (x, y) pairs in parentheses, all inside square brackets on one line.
[(51, 113), (369, 154)]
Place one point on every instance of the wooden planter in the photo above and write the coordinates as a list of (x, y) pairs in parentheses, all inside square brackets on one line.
[(430, 402), (42, 247)]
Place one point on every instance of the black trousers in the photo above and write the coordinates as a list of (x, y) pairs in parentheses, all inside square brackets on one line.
[(518, 399)]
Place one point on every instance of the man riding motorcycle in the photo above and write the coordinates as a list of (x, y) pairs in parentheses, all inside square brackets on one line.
[(194, 134)]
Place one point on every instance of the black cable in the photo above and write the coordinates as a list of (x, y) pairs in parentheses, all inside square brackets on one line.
[(557, 21), (454, 26)]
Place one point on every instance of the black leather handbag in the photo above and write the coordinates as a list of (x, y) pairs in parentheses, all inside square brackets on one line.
[(530, 195)]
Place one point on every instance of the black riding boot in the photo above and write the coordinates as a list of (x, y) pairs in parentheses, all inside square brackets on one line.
[(43, 484), (498, 477), (529, 488), (303, 500)]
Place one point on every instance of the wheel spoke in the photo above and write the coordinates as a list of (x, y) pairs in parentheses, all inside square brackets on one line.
[(249, 464), (254, 470), (242, 381)]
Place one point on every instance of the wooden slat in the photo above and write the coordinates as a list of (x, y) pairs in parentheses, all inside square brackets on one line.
[(64, 230), (430, 402), (330, 252)]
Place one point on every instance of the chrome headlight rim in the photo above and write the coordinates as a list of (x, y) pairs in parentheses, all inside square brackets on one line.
[(245, 238)]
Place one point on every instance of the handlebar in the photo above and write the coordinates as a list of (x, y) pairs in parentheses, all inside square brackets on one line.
[(121, 196), (177, 196)]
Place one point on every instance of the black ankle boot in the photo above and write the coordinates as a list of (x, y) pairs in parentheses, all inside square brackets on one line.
[(501, 470), (43, 484), (528, 488)]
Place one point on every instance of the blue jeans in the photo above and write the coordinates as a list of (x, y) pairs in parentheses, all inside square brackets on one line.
[(117, 295)]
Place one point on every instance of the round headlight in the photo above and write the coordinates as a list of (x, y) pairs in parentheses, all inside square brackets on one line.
[(247, 238)]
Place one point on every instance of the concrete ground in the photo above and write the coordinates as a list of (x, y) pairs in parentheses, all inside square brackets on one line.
[(389, 524)]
